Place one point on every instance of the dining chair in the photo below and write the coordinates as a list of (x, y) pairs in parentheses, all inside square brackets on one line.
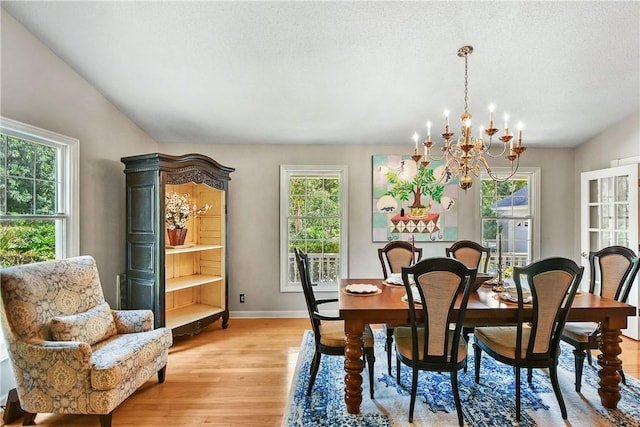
[(612, 273), (470, 253), (534, 341), (433, 339), (328, 331), (393, 257)]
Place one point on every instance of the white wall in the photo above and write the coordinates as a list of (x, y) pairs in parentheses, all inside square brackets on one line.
[(38, 88)]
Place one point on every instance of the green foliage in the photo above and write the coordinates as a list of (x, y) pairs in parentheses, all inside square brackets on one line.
[(23, 242), (423, 184), (314, 214)]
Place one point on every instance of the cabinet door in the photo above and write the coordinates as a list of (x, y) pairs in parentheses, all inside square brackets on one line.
[(609, 216), (143, 242)]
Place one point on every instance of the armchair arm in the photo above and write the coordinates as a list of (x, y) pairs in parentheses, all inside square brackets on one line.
[(74, 353), (130, 321)]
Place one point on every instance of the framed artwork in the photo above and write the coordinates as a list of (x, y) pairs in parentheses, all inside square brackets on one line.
[(409, 202)]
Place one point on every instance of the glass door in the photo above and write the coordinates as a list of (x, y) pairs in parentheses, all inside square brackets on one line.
[(609, 216)]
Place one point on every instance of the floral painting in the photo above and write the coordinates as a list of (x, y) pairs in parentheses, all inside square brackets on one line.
[(413, 201)]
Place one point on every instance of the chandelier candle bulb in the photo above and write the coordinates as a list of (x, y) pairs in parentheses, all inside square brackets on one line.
[(491, 116), (415, 139), (446, 126)]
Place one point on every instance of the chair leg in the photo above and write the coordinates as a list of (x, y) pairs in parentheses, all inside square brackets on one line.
[(414, 389), (530, 375), (579, 363), (517, 393), (624, 380), (456, 396), (388, 346), (371, 360), (29, 419), (315, 364), (477, 351), (465, 333), (161, 373), (589, 360), (105, 420), (553, 372)]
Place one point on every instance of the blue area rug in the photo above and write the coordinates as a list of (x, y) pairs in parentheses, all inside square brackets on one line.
[(490, 403)]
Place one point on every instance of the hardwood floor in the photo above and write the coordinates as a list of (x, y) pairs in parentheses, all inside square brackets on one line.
[(234, 377)]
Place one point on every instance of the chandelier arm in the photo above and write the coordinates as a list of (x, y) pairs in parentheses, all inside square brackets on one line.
[(502, 178), (495, 156)]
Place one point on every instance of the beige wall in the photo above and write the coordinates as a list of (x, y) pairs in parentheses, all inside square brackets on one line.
[(254, 212), (39, 89), (621, 141)]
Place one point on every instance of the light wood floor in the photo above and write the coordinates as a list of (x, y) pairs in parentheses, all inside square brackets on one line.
[(234, 377)]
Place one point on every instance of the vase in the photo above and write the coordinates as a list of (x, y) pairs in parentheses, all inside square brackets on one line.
[(177, 236)]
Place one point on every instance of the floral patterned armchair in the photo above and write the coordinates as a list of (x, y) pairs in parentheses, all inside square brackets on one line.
[(72, 354)]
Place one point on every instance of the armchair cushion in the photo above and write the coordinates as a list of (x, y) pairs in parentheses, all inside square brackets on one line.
[(92, 326), (128, 321)]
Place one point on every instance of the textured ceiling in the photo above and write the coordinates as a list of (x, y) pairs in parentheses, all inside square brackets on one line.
[(349, 72)]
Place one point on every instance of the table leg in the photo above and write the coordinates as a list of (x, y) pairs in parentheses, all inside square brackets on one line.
[(610, 364), (353, 365)]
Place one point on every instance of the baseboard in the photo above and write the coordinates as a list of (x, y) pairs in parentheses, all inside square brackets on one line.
[(268, 314)]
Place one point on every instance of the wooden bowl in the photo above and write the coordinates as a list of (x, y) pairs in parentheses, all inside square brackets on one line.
[(480, 279)]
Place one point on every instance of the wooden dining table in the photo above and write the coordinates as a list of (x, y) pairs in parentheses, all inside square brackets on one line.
[(484, 308)]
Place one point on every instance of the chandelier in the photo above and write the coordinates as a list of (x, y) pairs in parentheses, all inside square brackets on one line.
[(465, 157)]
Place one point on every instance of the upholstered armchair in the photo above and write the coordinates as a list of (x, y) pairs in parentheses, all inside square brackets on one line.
[(72, 354)]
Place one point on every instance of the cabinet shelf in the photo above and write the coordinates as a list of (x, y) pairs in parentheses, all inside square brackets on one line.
[(194, 248), (184, 282), (185, 315)]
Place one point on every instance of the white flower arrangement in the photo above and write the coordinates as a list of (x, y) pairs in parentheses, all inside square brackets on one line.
[(179, 209)]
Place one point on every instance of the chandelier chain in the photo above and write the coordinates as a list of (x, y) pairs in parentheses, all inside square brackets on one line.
[(466, 84)]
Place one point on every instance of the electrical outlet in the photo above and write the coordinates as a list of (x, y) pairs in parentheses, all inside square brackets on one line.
[(241, 298)]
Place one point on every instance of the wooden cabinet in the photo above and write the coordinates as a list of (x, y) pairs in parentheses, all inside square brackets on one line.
[(185, 286), (609, 216)]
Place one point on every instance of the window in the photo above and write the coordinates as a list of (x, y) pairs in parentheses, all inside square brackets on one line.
[(509, 212), (38, 194), (313, 217)]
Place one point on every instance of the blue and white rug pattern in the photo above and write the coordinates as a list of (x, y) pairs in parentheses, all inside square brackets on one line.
[(490, 403)]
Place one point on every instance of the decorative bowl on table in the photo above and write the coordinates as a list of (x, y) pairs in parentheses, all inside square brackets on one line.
[(480, 279)]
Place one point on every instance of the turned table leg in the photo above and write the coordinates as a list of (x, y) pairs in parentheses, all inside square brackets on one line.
[(353, 365), (610, 364)]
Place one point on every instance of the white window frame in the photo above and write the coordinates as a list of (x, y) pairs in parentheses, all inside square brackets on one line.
[(68, 200), (533, 174), (286, 173)]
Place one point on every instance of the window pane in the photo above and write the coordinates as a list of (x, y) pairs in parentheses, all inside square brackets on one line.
[(45, 197), (19, 196), (20, 158), (23, 242), (46, 163)]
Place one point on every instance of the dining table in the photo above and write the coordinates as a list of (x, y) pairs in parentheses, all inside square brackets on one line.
[(484, 308)]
